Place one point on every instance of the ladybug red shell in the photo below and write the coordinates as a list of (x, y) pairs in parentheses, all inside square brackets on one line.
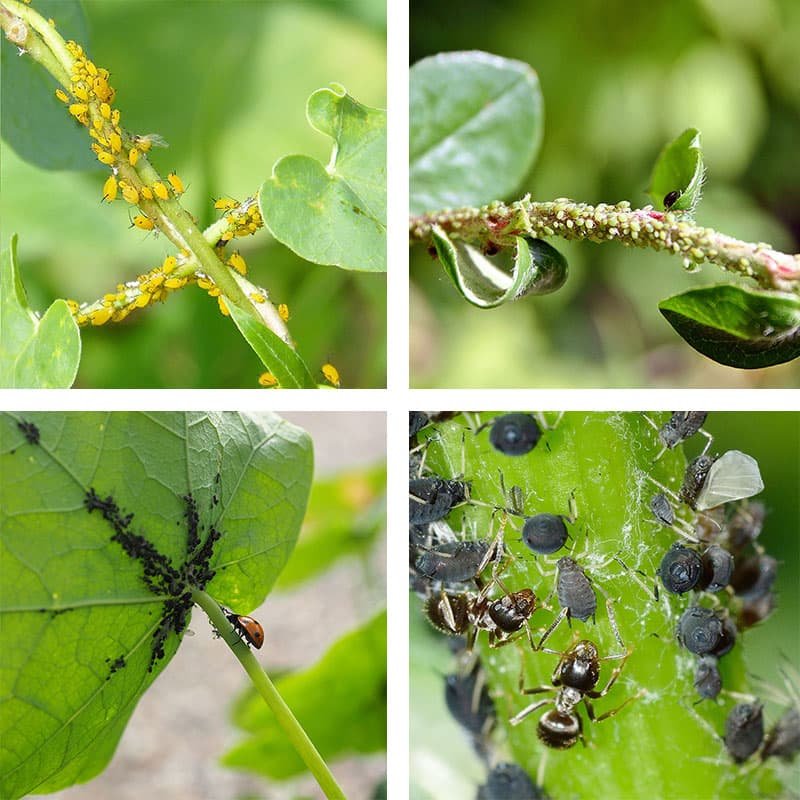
[(249, 629)]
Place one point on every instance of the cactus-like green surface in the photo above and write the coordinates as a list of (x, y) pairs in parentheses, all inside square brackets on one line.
[(661, 744)]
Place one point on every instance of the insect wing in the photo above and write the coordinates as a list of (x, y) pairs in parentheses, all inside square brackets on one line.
[(733, 476)]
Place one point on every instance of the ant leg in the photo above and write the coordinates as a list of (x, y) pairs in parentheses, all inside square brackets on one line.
[(607, 714), (613, 679), (553, 625), (517, 718), (650, 592)]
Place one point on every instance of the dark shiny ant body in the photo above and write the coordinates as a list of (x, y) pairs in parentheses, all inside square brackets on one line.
[(574, 680)]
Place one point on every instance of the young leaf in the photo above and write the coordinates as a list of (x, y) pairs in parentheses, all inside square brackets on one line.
[(283, 362), (678, 174), (476, 127), (77, 620), (345, 515), (36, 353), (340, 702), (335, 214), (533, 267), (737, 327), (34, 122)]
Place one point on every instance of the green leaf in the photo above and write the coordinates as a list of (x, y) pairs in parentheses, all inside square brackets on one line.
[(345, 515), (35, 353), (476, 127), (280, 359), (736, 326), (335, 214), (340, 702), (678, 174), (487, 281), (72, 602), (34, 122)]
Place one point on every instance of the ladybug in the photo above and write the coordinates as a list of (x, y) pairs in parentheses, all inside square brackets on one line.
[(248, 628)]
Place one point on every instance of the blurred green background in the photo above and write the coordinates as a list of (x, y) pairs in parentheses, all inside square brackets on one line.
[(620, 79), (440, 752), (226, 84)]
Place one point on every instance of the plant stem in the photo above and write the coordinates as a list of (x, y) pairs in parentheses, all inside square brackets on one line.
[(643, 227), (286, 719)]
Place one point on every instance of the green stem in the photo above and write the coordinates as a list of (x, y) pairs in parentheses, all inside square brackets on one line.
[(644, 227), (286, 719)]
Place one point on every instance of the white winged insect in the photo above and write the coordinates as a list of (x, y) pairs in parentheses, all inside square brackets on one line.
[(733, 476)]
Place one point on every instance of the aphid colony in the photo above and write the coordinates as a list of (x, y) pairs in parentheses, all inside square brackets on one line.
[(89, 101), (461, 581)]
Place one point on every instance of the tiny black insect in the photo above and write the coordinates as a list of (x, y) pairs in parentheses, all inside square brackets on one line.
[(544, 533), (575, 592), (30, 431), (417, 420), (680, 569), (671, 198), (707, 680), (662, 510), (744, 730), (468, 701), (694, 479), (681, 426), (783, 739), (514, 434), (753, 578), (717, 569), (507, 781), (699, 630), (454, 562)]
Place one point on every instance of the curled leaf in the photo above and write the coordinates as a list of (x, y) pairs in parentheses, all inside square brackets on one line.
[(678, 174), (737, 327), (488, 280)]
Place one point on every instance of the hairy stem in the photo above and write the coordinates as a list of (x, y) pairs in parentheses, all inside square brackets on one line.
[(499, 222)]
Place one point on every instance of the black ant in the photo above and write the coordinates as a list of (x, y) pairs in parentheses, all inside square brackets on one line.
[(574, 680)]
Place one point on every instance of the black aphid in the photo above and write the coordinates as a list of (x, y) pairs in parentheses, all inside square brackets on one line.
[(514, 434), (544, 533), (30, 431), (468, 701), (707, 680), (575, 592), (417, 420), (680, 569), (509, 782), (717, 569), (694, 479), (783, 738), (699, 630), (670, 198), (744, 527), (662, 510), (727, 639), (453, 562), (744, 730), (432, 498), (681, 426), (753, 577)]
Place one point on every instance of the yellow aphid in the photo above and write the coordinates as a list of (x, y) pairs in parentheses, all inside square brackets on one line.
[(115, 117), (103, 90), (133, 156), (97, 122), (225, 204), (62, 96), (143, 223), (142, 300), (283, 311), (160, 191), (73, 306), (110, 189), (175, 283), (97, 137), (105, 158), (120, 314), (129, 193), (100, 316), (116, 141), (148, 140), (153, 283), (91, 68), (176, 183), (257, 297), (223, 306), (105, 110), (267, 380), (170, 262), (238, 263), (331, 374), (146, 192), (205, 283), (80, 92), (78, 110), (74, 49)]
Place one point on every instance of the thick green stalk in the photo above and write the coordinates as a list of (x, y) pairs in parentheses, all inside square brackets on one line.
[(283, 714), (661, 744)]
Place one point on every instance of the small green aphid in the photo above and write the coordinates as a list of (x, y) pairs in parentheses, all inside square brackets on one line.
[(671, 198)]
